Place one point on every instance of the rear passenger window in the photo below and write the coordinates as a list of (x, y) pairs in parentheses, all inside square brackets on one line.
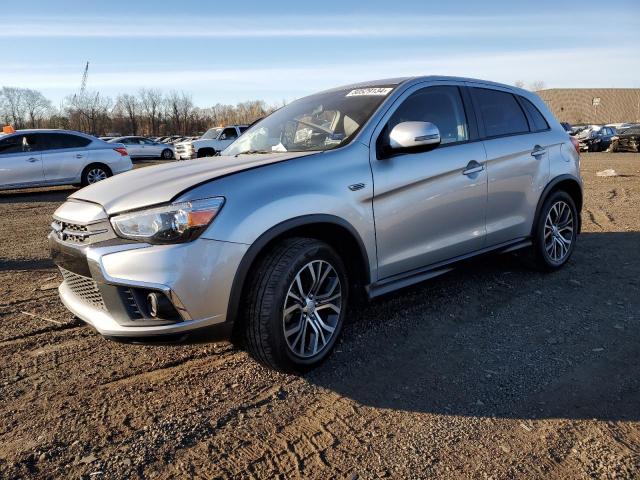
[(441, 106), (57, 141), (539, 122), (500, 112)]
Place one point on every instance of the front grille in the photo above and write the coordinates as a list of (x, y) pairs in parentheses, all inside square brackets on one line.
[(70, 232), (84, 288), (81, 234)]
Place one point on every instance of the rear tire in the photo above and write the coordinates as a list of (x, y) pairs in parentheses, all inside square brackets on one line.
[(296, 304), (94, 173), (166, 154), (555, 233)]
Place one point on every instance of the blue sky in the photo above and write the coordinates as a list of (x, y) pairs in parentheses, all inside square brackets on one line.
[(233, 51)]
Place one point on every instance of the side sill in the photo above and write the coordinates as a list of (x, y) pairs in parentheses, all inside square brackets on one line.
[(418, 275)]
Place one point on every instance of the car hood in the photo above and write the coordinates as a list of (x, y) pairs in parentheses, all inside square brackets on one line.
[(161, 183)]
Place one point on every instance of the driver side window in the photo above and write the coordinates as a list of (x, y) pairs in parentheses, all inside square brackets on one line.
[(229, 134), (441, 106)]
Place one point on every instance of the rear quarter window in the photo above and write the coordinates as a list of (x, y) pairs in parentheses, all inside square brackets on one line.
[(539, 122), (500, 111)]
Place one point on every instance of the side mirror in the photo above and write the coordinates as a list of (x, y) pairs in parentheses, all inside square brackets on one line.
[(414, 136)]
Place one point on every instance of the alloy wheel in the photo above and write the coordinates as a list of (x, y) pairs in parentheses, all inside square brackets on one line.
[(558, 231), (95, 175), (312, 309)]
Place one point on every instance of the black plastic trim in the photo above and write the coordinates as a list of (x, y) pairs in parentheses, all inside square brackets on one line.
[(257, 246), (549, 188), (396, 282)]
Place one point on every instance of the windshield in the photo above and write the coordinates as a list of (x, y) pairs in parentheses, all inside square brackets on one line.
[(211, 134), (319, 122)]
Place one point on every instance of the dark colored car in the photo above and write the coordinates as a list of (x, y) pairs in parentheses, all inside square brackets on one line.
[(599, 141), (628, 140)]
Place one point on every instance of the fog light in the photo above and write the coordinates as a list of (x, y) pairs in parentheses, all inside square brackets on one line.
[(159, 306)]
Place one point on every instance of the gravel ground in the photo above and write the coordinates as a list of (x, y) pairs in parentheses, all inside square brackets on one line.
[(491, 371)]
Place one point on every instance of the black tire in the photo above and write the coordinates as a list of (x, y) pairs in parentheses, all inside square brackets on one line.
[(166, 154), (88, 174), (264, 317), (205, 152), (542, 252)]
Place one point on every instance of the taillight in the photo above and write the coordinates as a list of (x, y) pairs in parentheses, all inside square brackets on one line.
[(122, 151), (576, 144)]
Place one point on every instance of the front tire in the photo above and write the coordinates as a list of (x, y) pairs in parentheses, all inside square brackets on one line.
[(296, 305), (555, 232), (166, 154)]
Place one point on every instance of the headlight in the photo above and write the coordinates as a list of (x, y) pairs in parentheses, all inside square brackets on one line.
[(175, 223)]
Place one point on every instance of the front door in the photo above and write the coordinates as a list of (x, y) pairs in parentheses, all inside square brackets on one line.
[(429, 206), (20, 161)]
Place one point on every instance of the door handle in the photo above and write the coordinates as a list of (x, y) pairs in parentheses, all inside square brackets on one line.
[(538, 151), (32, 160), (473, 167), (79, 156)]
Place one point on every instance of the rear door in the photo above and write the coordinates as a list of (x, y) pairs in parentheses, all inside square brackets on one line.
[(517, 143), (429, 206), (20, 161), (64, 156), (134, 146)]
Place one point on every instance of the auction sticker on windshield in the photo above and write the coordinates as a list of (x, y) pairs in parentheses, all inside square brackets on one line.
[(359, 92)]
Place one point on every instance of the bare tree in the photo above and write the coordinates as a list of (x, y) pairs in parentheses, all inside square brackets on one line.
[(148, 112), (14, 106), (151, 103), (519, 84), (537, 85), (37, 107), (131, 106), (89, 112)]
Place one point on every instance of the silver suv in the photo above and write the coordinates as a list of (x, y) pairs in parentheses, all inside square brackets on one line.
[(365, 188), (39, 158)]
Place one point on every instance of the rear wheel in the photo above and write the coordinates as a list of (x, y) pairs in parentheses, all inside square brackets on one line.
[(166, 154), (296, 305), (95, 173), (556, 232)]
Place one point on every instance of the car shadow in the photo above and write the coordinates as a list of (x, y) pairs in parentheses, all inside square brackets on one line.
[(34, 195), (498, 340)]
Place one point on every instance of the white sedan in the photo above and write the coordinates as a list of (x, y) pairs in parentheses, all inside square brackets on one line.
[(141, 147)]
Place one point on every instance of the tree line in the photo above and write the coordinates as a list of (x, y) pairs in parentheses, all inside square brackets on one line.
[(149, 112)]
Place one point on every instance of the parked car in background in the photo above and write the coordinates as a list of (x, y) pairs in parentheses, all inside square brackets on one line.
[(270, 241), (628, 140), (213, 141), (38, 158), (141, 147), (598, 139)]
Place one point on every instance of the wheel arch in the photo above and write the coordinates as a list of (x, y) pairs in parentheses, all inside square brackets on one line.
[(565, 183), (335, 231)]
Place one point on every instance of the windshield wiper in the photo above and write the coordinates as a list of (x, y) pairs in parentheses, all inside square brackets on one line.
[(252, 152)]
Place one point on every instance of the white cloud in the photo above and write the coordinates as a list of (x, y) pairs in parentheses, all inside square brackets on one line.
[(557, 68), (365, 26)]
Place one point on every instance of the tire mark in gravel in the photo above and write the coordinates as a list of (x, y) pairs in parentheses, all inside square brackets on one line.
[(593, 219), (302, 445), (170, 367), (56, 328)]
